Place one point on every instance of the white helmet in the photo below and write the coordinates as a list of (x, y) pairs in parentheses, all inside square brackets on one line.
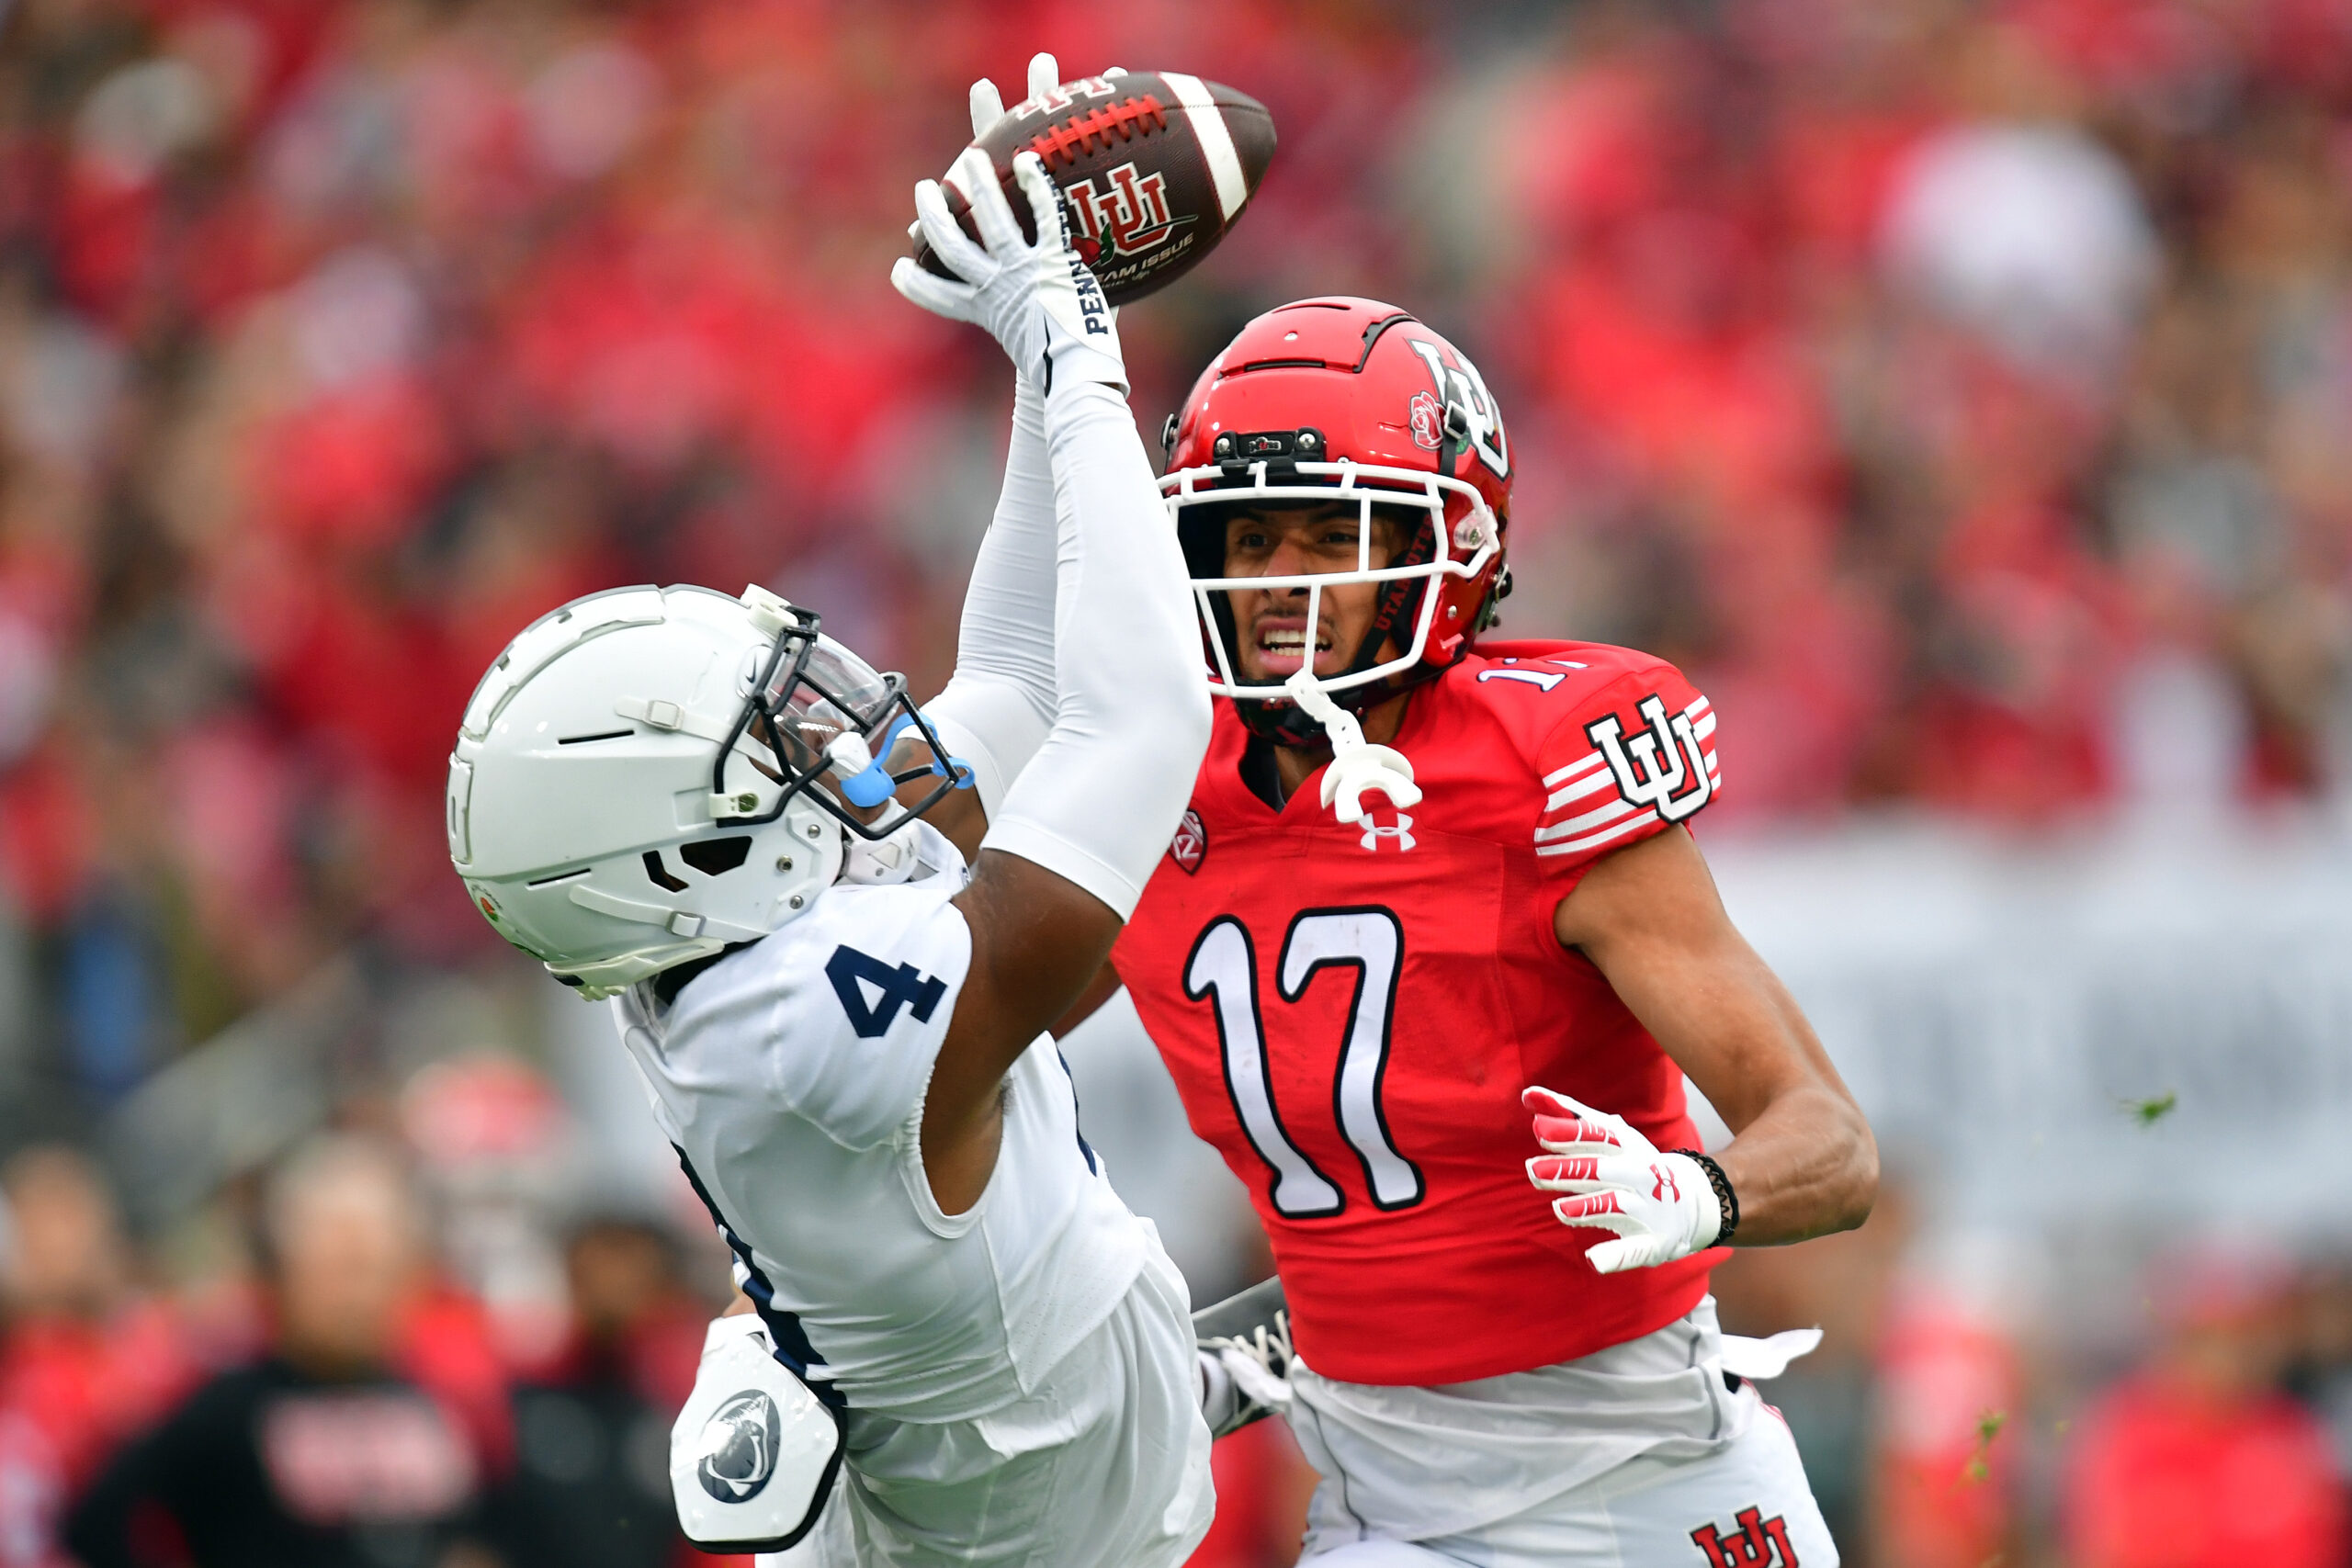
[(631, 785)]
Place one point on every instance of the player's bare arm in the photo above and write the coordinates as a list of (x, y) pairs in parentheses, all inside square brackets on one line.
[(1803, 1160), (1037, 943)]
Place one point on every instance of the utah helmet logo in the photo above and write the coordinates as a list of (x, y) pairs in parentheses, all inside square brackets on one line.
[(1662, 768), (1755, 1542), (1133, 217), (739, 1447), (1460, 392)]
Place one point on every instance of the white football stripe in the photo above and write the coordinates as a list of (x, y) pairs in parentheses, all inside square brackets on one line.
[(1704, 728), (1563, 775), (1698, 705), (1573, 845), (1576, 791), (1217, 142), (1575, 825)]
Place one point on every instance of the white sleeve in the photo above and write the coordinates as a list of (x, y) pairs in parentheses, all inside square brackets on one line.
[(1098, 802), (996, 710), (857, 995)]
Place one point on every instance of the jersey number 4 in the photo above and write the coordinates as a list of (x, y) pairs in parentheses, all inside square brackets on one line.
[(1225, 966), (894, 986)]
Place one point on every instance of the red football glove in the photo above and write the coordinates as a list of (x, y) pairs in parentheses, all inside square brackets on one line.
[(1659, 1206)]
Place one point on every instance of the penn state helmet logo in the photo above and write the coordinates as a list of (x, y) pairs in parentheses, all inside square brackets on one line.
[(739, 1447)]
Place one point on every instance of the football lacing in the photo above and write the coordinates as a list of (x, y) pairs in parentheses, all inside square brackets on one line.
[(1127, 120)]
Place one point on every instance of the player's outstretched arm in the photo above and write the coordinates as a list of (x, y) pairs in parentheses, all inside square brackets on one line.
[(1802, 1162), (995, 710), (1079, 830)]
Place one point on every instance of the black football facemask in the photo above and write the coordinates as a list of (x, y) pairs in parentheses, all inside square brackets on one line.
[(830, 723)]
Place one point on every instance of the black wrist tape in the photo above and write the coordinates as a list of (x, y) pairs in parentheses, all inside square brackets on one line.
[(1725, 1199)]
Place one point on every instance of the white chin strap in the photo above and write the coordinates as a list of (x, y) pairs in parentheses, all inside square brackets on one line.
[(1357, 765)]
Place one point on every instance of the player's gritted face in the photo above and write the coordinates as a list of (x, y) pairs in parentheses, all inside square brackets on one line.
[(1270, 625)]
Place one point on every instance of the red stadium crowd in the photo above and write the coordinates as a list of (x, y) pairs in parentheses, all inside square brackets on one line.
[(1959, 390)]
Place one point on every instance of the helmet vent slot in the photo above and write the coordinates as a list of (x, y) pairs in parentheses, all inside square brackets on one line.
[(599, 735), (560, 876), (660, 874), (714, 856)]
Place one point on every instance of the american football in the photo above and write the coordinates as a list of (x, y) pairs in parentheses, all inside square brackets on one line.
[(1154, 167)]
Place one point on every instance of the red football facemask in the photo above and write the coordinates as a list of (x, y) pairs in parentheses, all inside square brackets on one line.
[(1353, 402)]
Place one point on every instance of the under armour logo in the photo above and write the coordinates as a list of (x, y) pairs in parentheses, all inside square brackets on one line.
[(1665, 1184), (1757, 1542), (1663, 767), (1401, 834)]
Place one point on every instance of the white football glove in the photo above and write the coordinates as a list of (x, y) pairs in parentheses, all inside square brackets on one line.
[(987, 105), (1660, 1206), (1045, 75), (1039, 302)]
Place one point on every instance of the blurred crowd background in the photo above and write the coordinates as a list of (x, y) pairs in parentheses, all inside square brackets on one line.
[(1961, 392)]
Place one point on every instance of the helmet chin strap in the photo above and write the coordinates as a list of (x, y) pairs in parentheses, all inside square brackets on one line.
[(1357, 765), (884, 862)]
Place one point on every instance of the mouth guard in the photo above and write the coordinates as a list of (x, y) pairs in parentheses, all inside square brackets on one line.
[(871, 784)]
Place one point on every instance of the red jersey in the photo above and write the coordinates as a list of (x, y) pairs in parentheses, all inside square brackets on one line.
[(1350, 1012)]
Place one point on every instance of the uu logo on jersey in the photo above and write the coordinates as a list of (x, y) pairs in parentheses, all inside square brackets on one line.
[(1662, 767), (1755, 1542), (1131, 218), (737, 1454)]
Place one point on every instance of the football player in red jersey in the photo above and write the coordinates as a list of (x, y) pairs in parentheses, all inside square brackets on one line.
[(1432, 887), (1486, 906)]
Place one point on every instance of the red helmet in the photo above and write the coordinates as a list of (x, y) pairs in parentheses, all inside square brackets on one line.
[(1334, 398)]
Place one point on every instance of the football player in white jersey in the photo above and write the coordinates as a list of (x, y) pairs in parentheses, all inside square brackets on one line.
[(672, 797)]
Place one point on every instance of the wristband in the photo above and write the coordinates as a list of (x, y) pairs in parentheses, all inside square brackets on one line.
[(1725, 1197)]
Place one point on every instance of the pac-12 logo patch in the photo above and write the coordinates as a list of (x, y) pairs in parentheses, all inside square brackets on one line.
[(1754, 1542), (1191, 844), (737, 1447)]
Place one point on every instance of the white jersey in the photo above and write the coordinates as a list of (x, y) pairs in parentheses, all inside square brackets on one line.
[(791, 1076)]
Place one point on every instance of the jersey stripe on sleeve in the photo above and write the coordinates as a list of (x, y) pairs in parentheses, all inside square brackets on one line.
[(1629, 782)]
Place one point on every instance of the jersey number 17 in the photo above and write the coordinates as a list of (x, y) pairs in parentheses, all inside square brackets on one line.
[(1224, 966)]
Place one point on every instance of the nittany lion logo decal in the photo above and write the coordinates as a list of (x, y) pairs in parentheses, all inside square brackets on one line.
[(737, 1454)]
